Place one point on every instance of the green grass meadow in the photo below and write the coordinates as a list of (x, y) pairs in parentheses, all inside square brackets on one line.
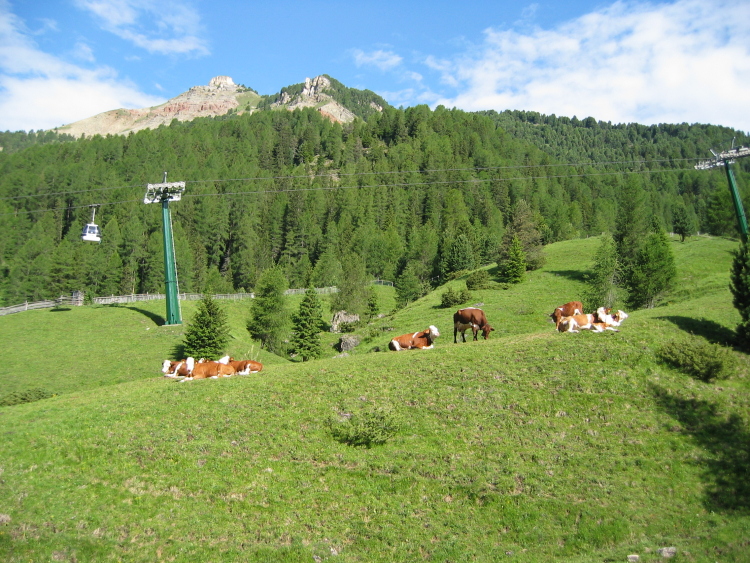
[(531, 446)]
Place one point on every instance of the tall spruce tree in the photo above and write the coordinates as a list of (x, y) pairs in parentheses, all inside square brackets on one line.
[(353, 289), (457, 256), (652, 272), (682, 222), (524, 228), (269, 318), (601, 283), (208, 333), (409, 288), (306, 326), (739, 284), (513, 267)]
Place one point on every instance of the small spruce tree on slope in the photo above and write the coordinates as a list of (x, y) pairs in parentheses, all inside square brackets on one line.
[(306, 326), (208, 333)]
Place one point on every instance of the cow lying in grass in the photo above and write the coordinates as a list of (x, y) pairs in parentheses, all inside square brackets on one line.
[(568, 310), (189, 369), (600, 321), (244, 367), (422, 340)]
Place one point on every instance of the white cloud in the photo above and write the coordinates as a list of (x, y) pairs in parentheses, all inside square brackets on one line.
[(83, 51), (158, 26), (41, 91), (384, 60), (687, 60)]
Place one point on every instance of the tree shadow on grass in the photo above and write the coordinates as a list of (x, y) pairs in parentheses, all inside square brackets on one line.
[(727, 439), (710, 330), (576, 275), (178, 351), (158, 319)]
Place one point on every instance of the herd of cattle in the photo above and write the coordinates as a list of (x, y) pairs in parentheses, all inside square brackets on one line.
[(567, 318), (189, 369)]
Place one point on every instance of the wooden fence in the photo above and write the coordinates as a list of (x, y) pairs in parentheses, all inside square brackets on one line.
[(76, 299)]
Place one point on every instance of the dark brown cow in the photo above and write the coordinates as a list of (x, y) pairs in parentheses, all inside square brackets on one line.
[(470, 318), (568, 310), (422, 340)]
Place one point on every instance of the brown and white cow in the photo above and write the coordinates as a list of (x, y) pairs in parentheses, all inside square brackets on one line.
[(568, 310), (605, 315), (245, 367), (470, 318), (175, 369), (206, 370), (584, 322), (422, 340)]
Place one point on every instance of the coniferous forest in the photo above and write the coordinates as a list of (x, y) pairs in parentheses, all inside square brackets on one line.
[(395, 195)]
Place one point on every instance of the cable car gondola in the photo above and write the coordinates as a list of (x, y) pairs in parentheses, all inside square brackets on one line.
[(91, 230)]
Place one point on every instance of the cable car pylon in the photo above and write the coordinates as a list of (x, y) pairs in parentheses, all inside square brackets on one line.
[(725, 158), (164, 193)]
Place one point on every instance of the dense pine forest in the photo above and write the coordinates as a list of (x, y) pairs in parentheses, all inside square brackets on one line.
[(385, 197)]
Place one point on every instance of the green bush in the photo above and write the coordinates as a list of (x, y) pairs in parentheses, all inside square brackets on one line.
[(372, 425), (698, 358), (28, 396), (478, 280), (452, 298), (349, 327)]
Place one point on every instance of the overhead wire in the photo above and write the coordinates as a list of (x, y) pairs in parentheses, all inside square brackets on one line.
[(390, 185), (381, 173)]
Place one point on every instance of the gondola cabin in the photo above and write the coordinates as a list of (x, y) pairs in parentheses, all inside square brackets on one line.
[(91, 233), (91, 230)]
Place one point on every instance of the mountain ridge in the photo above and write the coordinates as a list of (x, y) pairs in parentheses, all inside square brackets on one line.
[(223, 96)]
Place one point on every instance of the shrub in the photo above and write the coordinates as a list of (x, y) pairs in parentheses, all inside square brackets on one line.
[(349, 327), (478, 280), (372, 425), (699, 358), (452, 298), (29, 396)]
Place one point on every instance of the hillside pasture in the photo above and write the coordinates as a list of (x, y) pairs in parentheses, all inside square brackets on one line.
[(530, 446)]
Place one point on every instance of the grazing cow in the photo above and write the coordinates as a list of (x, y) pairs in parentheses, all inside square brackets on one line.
[(568, 310), (206, 370), (245, 367), (422, 340), (584, 322), (470, 318)]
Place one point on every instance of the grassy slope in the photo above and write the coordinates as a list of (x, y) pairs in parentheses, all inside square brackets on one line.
[(550, 446)]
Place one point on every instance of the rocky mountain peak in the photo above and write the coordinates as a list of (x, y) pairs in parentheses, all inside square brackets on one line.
[(222, 82)]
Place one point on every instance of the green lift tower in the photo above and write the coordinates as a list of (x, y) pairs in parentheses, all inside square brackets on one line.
[(725, 159), (164, 193)]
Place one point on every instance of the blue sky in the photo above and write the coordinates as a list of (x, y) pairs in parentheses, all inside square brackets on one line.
[(646, 62)]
